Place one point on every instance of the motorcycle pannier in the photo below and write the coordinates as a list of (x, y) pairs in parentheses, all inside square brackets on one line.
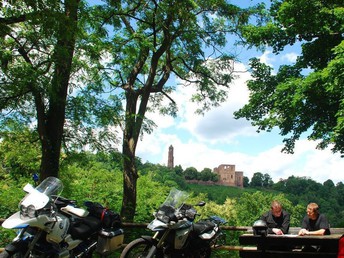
[(109, 240)]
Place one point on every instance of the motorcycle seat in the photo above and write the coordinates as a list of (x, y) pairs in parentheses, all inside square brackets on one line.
[(75, 211), (203, 226), (83, 228)]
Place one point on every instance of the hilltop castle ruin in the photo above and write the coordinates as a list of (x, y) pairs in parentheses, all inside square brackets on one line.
[(227, 174)]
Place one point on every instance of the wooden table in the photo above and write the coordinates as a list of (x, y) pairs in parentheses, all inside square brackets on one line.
[(288, 245)]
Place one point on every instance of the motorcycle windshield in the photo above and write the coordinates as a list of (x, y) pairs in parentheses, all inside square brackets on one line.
[(50, 186), (175, 198)]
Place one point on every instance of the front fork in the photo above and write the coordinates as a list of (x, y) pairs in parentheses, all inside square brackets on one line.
[(159, 243), (19, 242), (33, 243)]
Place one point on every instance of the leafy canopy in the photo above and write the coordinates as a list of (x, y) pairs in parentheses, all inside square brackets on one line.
[(307, 97)]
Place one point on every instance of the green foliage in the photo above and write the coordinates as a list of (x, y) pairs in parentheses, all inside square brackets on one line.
[(11, 192), (16, 140), (306, 97), (218, 193), (164, 175), (93, 180), (191, 173)]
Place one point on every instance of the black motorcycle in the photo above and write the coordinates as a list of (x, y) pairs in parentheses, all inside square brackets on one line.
[(176, 234)]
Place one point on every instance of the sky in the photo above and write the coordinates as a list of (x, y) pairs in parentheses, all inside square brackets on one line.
[(217, 138)]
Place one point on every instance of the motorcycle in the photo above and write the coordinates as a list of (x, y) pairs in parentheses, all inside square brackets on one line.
[(50, 225), (176, 234)]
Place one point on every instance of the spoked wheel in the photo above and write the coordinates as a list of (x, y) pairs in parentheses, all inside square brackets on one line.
[(139, 248)]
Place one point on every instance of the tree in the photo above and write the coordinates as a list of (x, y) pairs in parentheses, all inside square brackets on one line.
[(206, 174), (246, 181), (191, 173), (295, 99), (37, 41), (257, 180), (267, 180), (151, 41)]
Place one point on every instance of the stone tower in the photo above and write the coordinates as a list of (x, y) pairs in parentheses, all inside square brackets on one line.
[(170, 157)]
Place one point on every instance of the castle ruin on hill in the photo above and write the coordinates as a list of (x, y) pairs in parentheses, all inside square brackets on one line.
[(228, 176), (226, 172)]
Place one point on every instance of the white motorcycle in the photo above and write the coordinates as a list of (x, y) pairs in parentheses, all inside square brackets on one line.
[(52, 226), (176, 234)]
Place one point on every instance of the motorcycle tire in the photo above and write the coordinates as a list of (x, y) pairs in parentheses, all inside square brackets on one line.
[(5, 254), (138, 248), (205, 253)]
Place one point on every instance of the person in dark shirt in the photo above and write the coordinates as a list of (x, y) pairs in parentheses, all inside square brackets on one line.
[(314, 223), (277, 219)]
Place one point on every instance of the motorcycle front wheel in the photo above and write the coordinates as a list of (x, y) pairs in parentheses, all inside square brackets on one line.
[(138, 248), (5, 254)]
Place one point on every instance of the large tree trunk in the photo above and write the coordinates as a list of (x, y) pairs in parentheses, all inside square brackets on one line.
[(51, 122), (130, 137), (129, 182)]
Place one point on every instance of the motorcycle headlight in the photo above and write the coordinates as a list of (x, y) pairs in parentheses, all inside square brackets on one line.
[(160, 215), (29, 211)]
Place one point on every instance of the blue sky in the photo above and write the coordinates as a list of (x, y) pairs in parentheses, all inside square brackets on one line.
[(217, 138)]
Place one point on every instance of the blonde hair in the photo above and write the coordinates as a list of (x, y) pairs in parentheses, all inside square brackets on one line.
[(276, 204), (313, 206)]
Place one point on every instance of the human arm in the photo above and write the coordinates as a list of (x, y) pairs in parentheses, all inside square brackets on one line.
[(281, 225), (304, 226), (266, 217), (320, 228), (305, 232), (286, 222)]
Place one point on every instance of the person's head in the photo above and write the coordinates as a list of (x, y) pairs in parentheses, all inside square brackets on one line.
[(276, 208), (312, 210)]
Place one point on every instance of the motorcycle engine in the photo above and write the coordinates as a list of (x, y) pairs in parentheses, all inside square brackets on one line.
[(59, 230)]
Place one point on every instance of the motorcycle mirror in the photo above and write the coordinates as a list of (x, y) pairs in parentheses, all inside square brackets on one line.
[(201, 204), (28, 188)]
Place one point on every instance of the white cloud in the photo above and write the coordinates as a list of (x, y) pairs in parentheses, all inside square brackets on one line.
[(196, 141), (290, 57), (217, 124), (266, 59)]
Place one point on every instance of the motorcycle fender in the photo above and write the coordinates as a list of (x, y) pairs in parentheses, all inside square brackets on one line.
[(16, 221)]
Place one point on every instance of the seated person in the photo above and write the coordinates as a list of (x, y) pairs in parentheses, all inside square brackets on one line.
[(276, 219), (314, 223)]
